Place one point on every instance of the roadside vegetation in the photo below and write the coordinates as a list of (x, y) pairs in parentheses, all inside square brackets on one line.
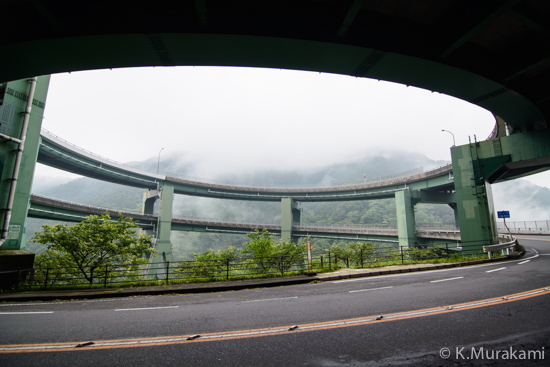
[(92, 246), (100, 252)]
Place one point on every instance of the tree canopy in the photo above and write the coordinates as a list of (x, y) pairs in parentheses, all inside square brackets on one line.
[(94, 243)]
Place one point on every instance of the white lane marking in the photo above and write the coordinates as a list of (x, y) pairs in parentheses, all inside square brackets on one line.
[(269, 299), (524, 262), (445, 280), (25, 313), (61, 302), (490, 271), (370, 289), (429, 271), (144, 308), (349, 280)]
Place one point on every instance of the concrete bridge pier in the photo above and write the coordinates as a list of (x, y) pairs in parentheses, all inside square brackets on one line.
[(164, 225), (20, 123), (148, 208), (406, 223), (22, 106), (475, 211), (290, 214)]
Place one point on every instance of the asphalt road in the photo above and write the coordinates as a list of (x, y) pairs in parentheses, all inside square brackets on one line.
[(332, 323)]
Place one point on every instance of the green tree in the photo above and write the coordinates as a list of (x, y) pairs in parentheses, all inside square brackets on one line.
[(210, 264), (268, 253), (95, 243), (261, 244), (355, 251)]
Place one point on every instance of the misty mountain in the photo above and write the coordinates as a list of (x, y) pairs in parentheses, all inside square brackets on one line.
[(98, 193), (524, 200)]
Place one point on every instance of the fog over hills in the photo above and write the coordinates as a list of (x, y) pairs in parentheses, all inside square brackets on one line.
[(524, 200)]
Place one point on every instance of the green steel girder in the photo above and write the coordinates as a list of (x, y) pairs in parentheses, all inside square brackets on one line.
[(514, 156), (13, 110), (164, 48), (47, 209), (347, 237), (490, 168), (51, 209), (59, 154), (258, 194), (433, 197)]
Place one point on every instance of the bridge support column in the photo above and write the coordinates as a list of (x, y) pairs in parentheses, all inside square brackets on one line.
[(22, 105), (148, 208), (290, 214), (455, 211), (17, 114), (475, 212), (164, 226), (406, 224)]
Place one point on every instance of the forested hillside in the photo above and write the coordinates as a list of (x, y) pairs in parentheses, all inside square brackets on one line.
[(377, 212)]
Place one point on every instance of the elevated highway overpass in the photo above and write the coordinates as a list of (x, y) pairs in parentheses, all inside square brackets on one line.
[(434, 186), (493, 54), (53, 209), (58, 153)]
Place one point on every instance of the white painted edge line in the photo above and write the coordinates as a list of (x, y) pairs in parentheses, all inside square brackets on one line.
[(144, 308), (490, 271), (269, 299), (445, 280), (25, 313), (370, 289), (524, 262)]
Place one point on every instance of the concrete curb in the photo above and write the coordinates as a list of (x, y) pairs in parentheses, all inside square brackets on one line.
[(234, 285)]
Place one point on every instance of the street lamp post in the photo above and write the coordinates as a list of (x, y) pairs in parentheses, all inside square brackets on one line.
[(158, 161), (452, 135)]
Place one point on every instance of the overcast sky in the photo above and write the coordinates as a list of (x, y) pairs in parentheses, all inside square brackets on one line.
[(233, 119)]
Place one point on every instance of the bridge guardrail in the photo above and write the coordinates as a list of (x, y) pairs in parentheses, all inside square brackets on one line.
[(390, 180), (531, 226), (339, 228), (408, 175), (489, 249)]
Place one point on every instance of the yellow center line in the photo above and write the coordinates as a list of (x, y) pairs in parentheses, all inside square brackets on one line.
[(279, 330)]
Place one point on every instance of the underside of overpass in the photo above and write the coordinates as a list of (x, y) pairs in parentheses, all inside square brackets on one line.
[(491, 53)]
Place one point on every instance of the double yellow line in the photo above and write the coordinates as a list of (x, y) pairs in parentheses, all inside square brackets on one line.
[(280, 330)]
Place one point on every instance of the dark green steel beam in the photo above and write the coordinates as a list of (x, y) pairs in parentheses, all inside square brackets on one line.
[(478, 27), (350, 16)]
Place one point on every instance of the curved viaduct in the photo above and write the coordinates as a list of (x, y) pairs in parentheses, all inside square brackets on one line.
[(435, 186), (53, 209), (493, 54)]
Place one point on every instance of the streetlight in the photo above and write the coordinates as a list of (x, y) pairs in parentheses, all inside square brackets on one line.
[(158, 161), (452, 135)]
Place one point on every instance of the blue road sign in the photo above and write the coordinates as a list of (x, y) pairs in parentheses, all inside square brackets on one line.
[(504, 214)]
